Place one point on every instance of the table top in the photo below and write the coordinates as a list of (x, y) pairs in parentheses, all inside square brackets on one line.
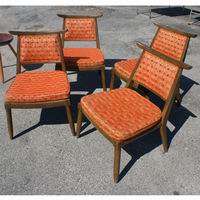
[(5, 38)]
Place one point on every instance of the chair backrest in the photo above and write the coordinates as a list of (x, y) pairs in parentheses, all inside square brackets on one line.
[(80, 28), (38, 47), (171, 42), (157, 72)]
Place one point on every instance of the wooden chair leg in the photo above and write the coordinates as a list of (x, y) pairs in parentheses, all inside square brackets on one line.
[(79, 120), (70, 118), (103, 78), (117, 157), (1, 71), (163, 133), (9, 121), (112, 80)]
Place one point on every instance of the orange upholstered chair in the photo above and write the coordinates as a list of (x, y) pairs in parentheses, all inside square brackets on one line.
[(168, 41), (122, 115), (83, 28), (42, 88)]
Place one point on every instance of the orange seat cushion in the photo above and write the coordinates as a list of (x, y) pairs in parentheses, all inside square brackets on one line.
[(83, 58), (125, 67), (121, 113), (32, 87)]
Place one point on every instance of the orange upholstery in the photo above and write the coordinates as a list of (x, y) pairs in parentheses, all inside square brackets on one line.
[(33, 87), (83, 58), (156, 74), (170, 43), (80, 29), (42, 48), (121, 113), (125, 67), (167, 42)]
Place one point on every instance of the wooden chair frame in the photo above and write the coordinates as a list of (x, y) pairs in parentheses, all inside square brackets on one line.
[(182, 59), (100, 68), (47, 104), (160, 125)]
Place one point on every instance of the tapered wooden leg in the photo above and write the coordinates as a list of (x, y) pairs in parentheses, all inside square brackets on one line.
[(103, 78), (70, 118), (1, 71), (9, 121), (163, 133), (117, 157), (79, 120), (112, 80)]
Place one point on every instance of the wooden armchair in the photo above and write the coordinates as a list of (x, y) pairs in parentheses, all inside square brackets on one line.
[(83, 28), (168, 41), (122, 115), (42, 88)]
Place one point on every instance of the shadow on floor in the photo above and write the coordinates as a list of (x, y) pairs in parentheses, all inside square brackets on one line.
[(171, 11), (89, 81), (145, 144), (186, 84)]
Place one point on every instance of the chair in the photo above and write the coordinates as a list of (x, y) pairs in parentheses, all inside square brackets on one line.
[(42, 88), (122, 115), (167, 40), (83, 28)]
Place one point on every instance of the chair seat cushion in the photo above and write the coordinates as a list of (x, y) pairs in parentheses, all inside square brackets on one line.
[(125, 67), (121, 113), (32, 87), (83, 58)]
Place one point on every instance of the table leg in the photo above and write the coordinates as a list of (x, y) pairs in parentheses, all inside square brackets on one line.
[(12, 49), (1, 71)]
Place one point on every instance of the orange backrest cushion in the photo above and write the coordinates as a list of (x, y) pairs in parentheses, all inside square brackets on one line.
[(170, 43), (83, 29), (156, 74), (41, 48)]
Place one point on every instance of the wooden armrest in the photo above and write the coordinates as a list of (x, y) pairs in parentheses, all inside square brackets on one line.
[(36, 32), (169, 59), (80, 16)]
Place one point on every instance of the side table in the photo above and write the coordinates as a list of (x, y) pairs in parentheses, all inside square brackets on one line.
[(5, 39)]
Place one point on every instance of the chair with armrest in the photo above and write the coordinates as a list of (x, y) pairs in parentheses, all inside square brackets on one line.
[(123, 115), (168, 41)]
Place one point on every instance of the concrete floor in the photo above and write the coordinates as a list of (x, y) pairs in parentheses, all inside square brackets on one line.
[(47, 159)]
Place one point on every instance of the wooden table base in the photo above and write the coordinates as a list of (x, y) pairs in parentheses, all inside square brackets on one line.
[(1, 71), (1, 63)]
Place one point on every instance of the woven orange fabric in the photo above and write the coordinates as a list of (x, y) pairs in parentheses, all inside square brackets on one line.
[(170, 43), (39, 48), (121, 113), (156, 74), (32, 87), (80, 29), (167, 42), (125, 67), (83, 57)]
